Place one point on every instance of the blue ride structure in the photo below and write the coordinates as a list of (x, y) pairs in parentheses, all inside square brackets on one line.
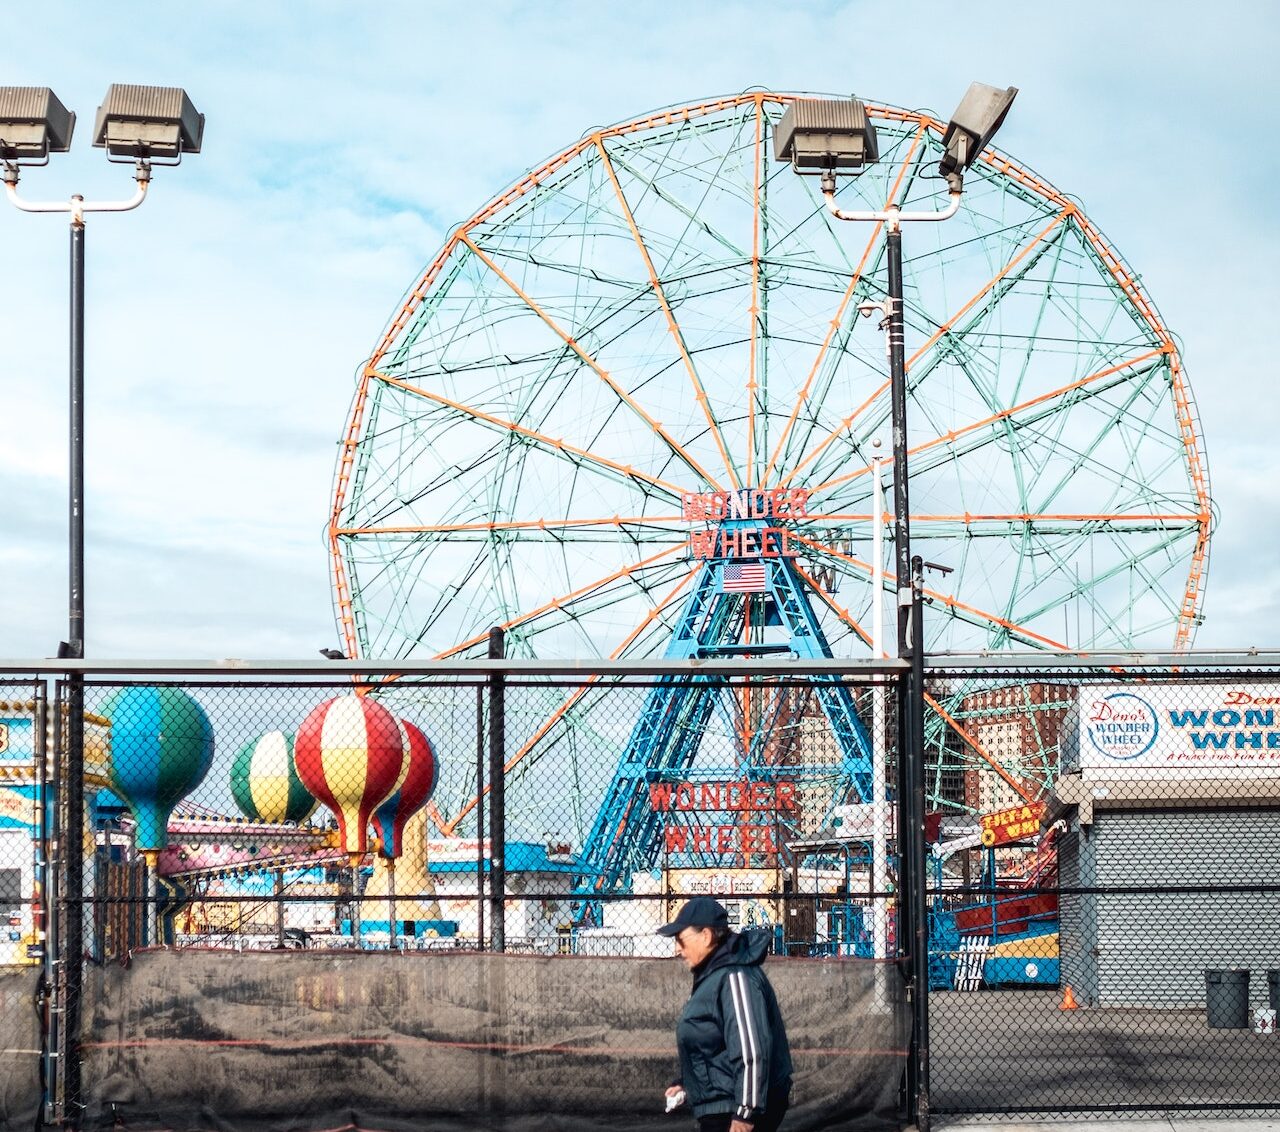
[(669, 742)]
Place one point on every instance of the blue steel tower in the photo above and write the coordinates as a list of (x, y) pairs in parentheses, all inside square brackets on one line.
[(748, 580)]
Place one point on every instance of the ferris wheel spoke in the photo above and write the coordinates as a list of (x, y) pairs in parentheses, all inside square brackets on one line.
[(830, 602), (1020, 415), (551, 444), (956, 608), (844, 425), (622, 158), (1132, 560), (942, 330), (672, 326), (754, 311), (969, 739), (1042, 534), (976, 746), (975, 615), (560, 602), (1111, 425), (997, 525), (528, 748), (656, 426), (833, 328), (838, 321), (658, 526), (1061, 540)]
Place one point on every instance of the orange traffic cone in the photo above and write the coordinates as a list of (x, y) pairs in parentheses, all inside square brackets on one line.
[(1068, 999)]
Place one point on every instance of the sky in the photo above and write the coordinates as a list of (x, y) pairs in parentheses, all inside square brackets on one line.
[(228, 317)]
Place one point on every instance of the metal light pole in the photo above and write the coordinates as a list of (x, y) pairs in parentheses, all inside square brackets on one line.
[(72, 839), (912, 917), (821, 136), (135, 124), (497, 796), (879, 790), (74, 937)]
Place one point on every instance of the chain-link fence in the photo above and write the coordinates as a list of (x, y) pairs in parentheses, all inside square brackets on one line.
[(1105, 890), (266, 815), (320, 869), (432, 899)]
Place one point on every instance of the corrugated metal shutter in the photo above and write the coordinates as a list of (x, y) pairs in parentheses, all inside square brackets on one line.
[(1154, 944)]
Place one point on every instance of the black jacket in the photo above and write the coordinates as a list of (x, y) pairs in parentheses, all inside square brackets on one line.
[(733, 1047)]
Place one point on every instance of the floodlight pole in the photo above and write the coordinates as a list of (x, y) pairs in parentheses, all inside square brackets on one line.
[(73, 836), (912, 927), (497, 796), (912, 905), (75, 516), (72, 839), (879, 800), (77, 206)]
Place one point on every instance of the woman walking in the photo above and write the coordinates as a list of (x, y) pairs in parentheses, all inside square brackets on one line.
[(735, 1064)]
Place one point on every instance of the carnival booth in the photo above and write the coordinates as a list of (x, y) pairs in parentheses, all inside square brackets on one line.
[(1170, 817)]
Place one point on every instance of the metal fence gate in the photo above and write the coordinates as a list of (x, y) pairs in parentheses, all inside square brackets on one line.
[(1105, 889), (1100, 881)]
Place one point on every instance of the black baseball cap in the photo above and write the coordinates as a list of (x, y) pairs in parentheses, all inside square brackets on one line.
[(700, 912)]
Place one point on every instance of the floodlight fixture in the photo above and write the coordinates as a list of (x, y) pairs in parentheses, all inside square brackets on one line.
[(33, 124), (145, 123), (821, 135), (980, 114)]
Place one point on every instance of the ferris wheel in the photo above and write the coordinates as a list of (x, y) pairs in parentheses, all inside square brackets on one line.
[(660, 324)]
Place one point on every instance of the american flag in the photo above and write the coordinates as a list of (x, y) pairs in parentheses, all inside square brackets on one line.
[(744, 578)]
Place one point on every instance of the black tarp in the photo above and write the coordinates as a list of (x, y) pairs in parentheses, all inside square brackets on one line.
[(453, 1041), (20, 1095)]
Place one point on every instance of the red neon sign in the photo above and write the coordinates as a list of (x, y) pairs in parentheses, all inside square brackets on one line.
[(714, 506)]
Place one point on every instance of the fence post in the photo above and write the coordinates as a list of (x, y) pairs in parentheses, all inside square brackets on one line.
[(904, 901), (46, 866), (497, 795), (918, 852), (480, 807), (71, 837)]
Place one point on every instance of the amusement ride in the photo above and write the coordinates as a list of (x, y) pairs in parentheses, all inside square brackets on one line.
[(631, 410)]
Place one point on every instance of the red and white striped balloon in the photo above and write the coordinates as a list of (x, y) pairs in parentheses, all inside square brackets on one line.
[(412, 791), (349, 753)]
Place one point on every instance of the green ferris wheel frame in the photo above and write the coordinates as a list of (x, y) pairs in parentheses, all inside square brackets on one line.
[(660, 311)]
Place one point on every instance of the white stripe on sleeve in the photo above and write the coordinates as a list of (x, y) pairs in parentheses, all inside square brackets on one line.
[(751, 1092), (734, 990)]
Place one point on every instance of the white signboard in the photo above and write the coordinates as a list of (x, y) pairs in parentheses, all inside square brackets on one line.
[(1181, 728), (857, 819)]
